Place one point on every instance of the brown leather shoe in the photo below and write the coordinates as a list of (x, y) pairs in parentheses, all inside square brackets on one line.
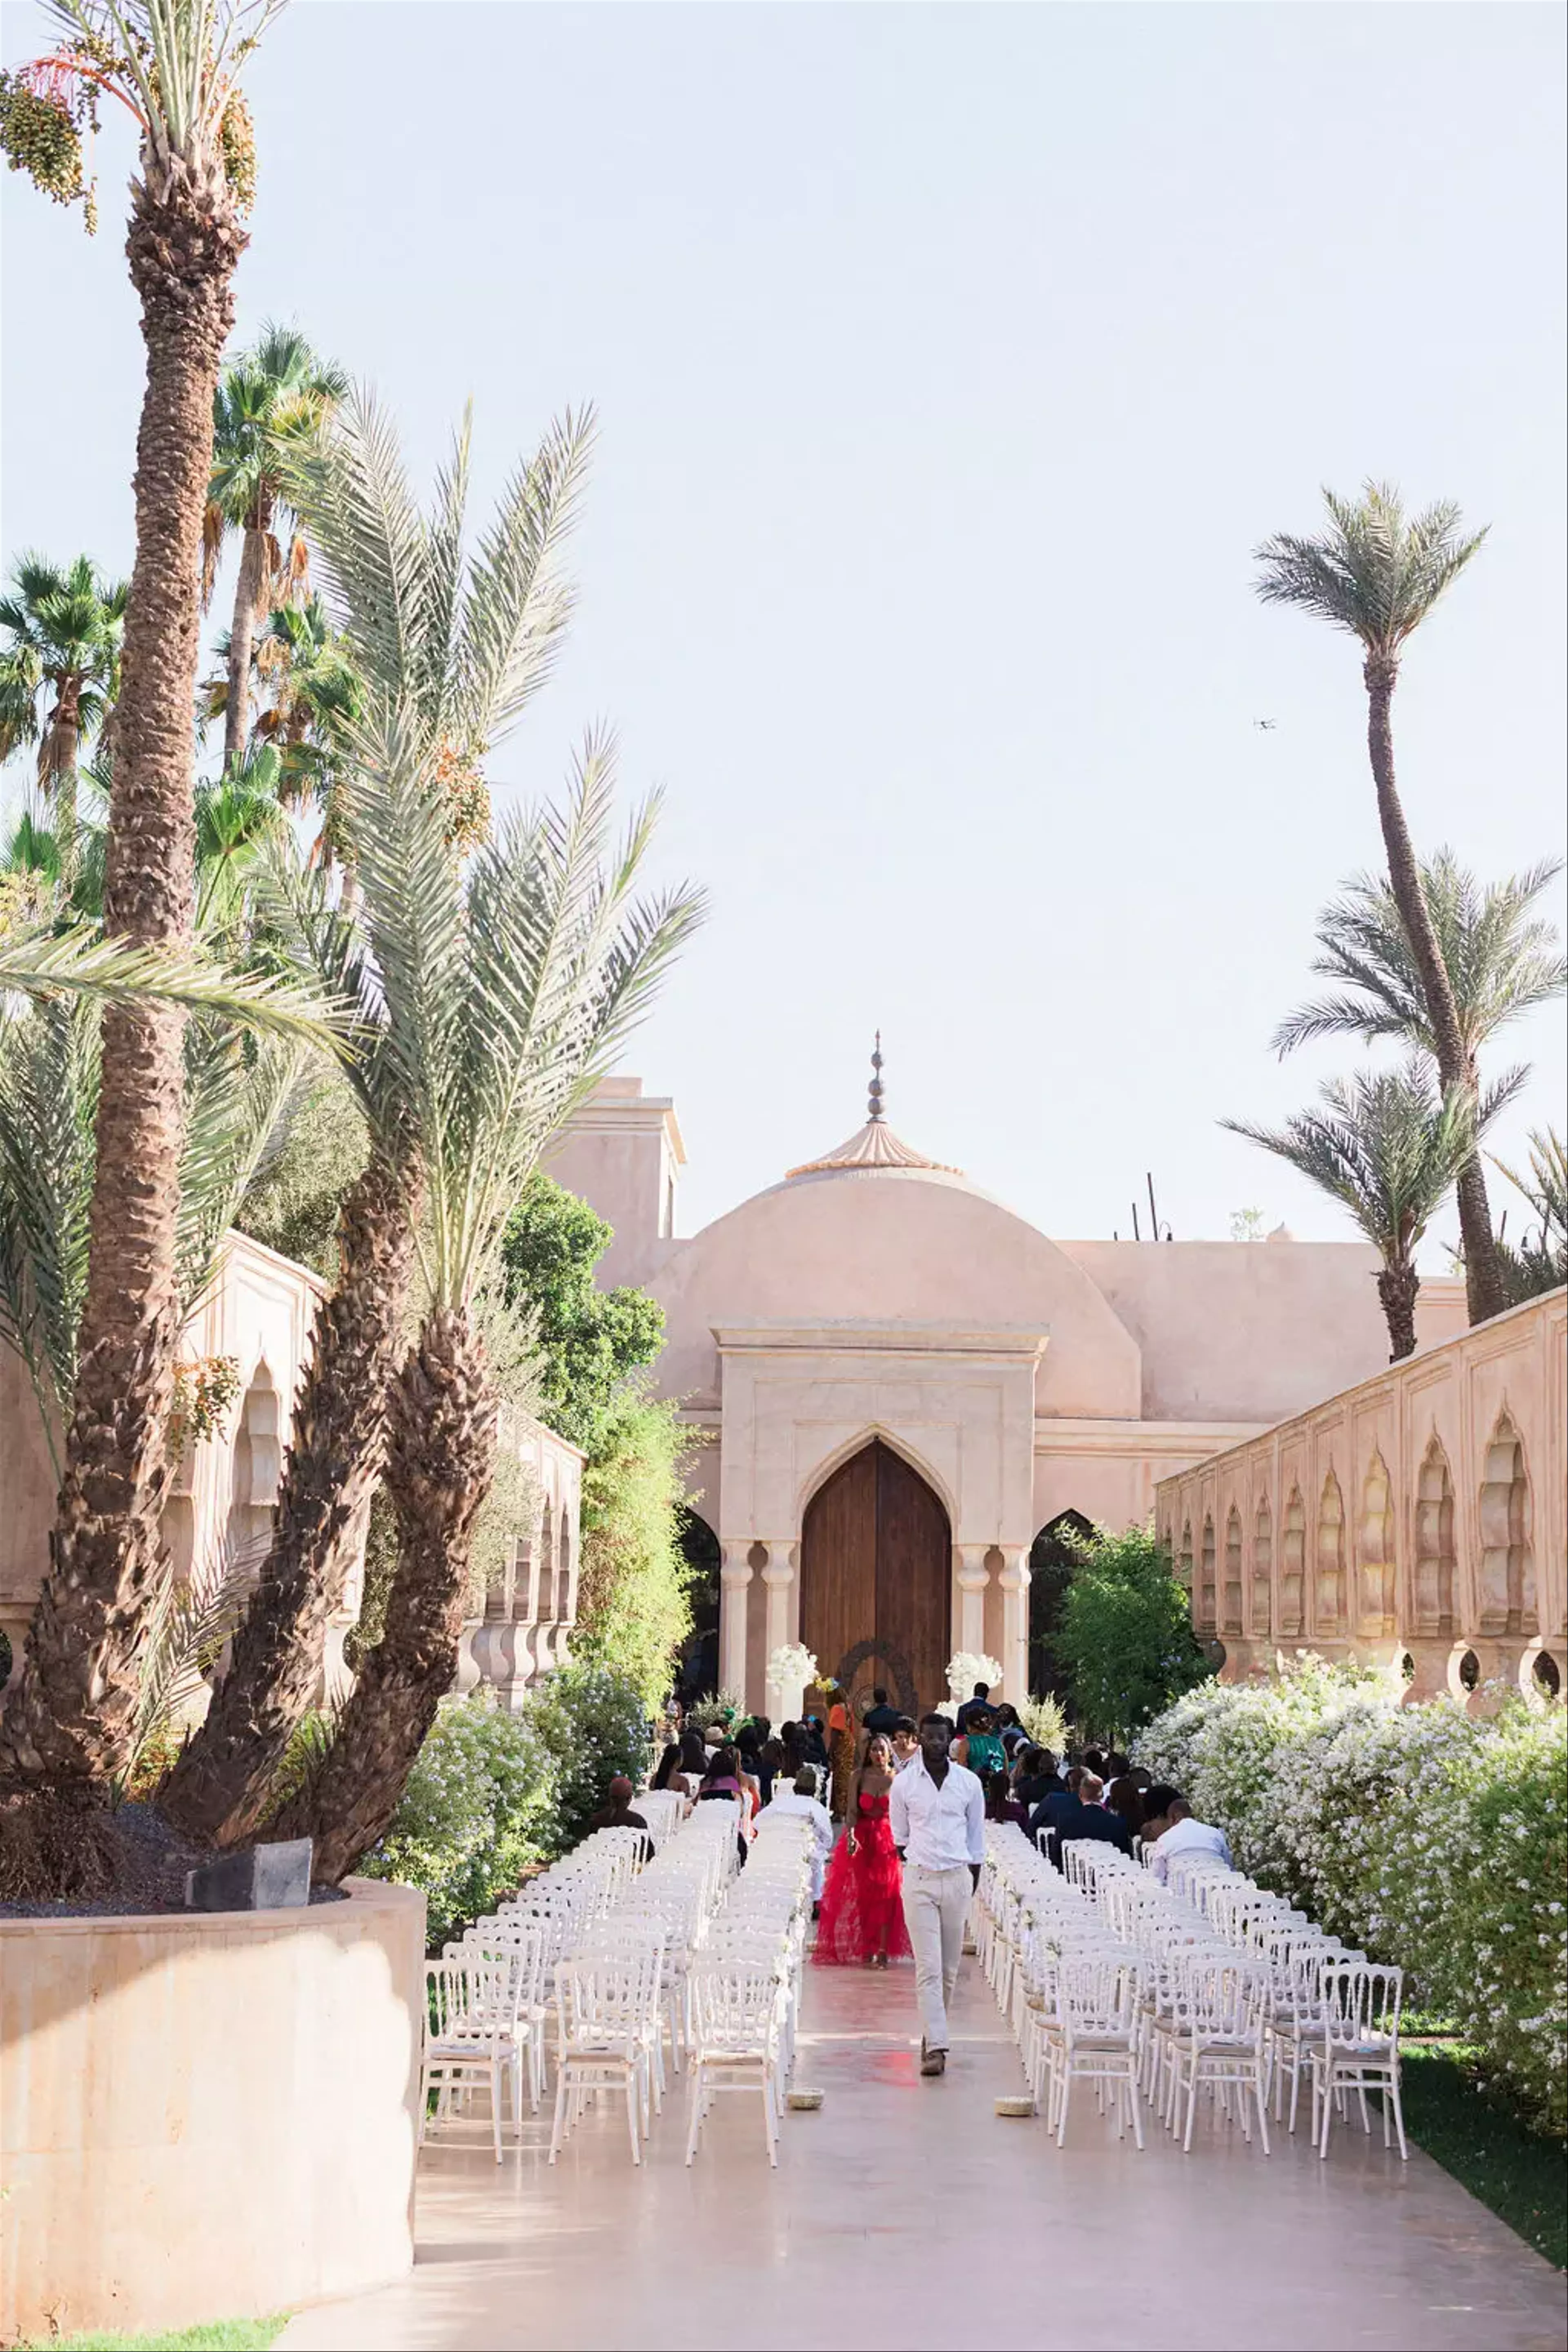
[(933, 2062)]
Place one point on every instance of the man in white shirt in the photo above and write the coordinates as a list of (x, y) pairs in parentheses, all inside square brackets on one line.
[(1184, 1835), (801, 1801), (937, 1814)]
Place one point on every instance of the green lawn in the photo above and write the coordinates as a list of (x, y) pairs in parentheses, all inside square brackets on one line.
[(217, 2335), (1523, 2177)]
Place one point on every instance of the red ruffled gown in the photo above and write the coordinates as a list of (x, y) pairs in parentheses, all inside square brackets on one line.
[(862, 1908)]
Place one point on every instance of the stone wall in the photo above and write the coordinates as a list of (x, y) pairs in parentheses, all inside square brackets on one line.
[(1419, 1514), (530, 1605)]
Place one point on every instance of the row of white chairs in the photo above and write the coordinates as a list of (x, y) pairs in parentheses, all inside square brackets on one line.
[(1158, 1994)]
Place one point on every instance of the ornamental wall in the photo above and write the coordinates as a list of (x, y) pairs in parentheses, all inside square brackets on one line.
[(1420, 1514)]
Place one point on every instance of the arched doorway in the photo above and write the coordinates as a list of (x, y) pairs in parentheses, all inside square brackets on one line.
[(697, 1668), (1051, 1558), (876, 1578)]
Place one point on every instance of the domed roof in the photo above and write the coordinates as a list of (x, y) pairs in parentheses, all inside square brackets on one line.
[(873, 1147)]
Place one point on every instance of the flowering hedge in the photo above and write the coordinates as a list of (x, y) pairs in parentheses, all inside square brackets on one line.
[(1420, 1834)]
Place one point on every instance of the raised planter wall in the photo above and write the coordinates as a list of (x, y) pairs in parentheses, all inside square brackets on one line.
[(206, 2117)]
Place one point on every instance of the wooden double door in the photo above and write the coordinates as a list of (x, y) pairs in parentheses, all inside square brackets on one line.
[(876, 1578)]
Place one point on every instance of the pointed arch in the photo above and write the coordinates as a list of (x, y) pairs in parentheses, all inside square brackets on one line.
[(1507, 1552), (1374, 1552), (1293, 1568), (1205, 1613), (1262, 1570), (874, 1433), (1329, 1586), (1433, 1597), (1230, 1620)]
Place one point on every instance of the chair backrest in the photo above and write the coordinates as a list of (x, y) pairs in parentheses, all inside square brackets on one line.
[(1362, 2002), (1220, 1996), (608, 1998), (1096, 1992), (736, 2002)]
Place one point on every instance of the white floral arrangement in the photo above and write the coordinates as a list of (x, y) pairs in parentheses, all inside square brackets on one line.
[(967, 1667), (792, 1666)]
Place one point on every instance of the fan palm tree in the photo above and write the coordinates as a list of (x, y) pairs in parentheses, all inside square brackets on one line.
[(59, 671), (1386, 1145), (269, 405), (511, 992), (1376, 574), (239, 824), (174, 66), (308, 693), (449, 647)]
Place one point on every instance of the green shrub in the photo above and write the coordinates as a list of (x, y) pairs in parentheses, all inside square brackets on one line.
[(481, 1804), (1124, 1636), (591, 1724), (1421, 1834), (632, 1605)]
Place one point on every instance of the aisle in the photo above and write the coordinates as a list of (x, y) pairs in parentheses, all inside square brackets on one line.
[(906, 2214)]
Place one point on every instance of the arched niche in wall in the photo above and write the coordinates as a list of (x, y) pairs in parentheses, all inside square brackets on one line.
[(1375, 1612), (1203, 1612), (1262, 1571), (1433, 1595), (1329, 1589), (1230, 1618), (1507, 1557), (1292, 1566), (257, 1465)]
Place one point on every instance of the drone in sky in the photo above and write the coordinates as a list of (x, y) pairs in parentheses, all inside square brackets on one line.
[(1265, 726)]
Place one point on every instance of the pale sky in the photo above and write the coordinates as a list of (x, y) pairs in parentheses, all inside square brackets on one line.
[(950, 362)]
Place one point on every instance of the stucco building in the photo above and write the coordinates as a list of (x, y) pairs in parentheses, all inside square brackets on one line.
[(901, 1385)]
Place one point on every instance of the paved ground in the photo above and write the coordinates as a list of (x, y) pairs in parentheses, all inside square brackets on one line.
[(908, 2214)]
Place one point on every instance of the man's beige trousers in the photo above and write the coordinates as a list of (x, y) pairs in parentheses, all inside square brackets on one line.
[(936, 1904)]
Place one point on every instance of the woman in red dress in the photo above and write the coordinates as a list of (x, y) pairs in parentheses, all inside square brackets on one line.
[(862, 1916)]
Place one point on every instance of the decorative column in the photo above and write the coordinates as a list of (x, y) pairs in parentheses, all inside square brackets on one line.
[(735, 1575), (972, 1579), (1014, 1581), (778, 1577)]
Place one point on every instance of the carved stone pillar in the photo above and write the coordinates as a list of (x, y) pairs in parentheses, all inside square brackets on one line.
[(734, 1576), (972, 1579), (778, 1578), (1014, 1579)]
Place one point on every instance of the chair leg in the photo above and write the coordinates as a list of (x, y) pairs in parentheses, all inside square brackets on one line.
[(497, 2071), (693, 2134), (1132, 2102), (1262, 2108), (1398, 2113), (1192, 2106), (558, 2130), (1066, 2098), (634, 2100)]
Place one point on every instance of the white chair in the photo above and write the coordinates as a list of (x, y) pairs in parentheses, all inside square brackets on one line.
[(1093, 2034), (734, 2039), (466, 2040), (1217, 2036), (1360, 2048), (608, 2009)]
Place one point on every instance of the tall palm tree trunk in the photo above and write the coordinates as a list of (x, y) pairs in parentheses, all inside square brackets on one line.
[(247, 598), (441, 1442), (1483, 1274), (64, 746), (1396, 1287), (219, 1789), (72, 1717)]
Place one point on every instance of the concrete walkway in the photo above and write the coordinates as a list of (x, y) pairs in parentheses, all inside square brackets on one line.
[(908, 2214)]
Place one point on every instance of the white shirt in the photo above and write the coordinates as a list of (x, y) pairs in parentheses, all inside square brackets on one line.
[(1187, 1837), (821, 1820), (938, 1828)]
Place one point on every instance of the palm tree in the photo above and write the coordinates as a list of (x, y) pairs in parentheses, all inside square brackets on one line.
[(1387, 1146), (174, 66), (308, 693), (1539, 1260), (1376, 574), (59, 670), (510, 993), (269, 405), (1499, 964), (240, 824), (449, 648)]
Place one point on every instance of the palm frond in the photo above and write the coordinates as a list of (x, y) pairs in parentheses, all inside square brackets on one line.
[(515, 607), (79, 961), (187, 1626), (1375, 573)]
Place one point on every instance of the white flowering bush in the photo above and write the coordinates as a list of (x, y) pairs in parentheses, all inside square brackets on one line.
[(592, 1724), (967, 1667), (1420, 1834), (792, 1666), (479, 1806)]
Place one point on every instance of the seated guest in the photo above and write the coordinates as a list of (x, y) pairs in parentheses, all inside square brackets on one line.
[(1185, 1835), (1035, 1777), (666, 1772), (800, 1798), (1009, 1731), (880, 1716), (1115, 1769), (815, 1751), (1060, 1805), (1093, 1760), (617, 1814), (1001, 1804), (977, 1745), (771, 1765), (1125, 1798), (1085, 1817)]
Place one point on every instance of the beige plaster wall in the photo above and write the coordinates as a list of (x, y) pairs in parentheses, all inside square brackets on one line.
[(622, 1152), (1420, 1512), (530, 1606), (206, 2116), (1253, 1332)]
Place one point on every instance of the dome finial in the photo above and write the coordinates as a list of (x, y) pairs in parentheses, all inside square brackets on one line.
[(874, 1099)]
